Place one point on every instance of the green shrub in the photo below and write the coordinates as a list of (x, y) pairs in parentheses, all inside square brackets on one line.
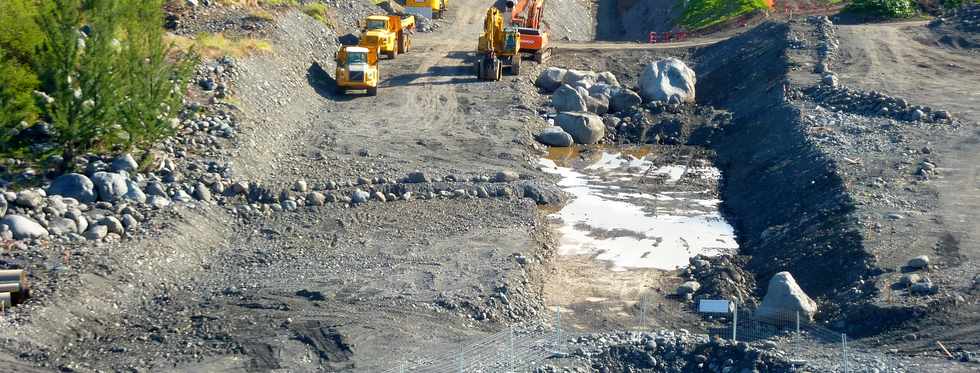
[(17, 84), (883, 8), (321, 13)]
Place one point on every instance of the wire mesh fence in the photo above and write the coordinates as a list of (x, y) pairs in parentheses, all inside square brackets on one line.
[(514, 349)]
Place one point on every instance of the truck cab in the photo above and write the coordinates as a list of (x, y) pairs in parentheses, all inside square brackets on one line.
[(357, 69)]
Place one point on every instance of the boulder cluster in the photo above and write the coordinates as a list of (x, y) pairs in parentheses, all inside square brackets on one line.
[(590, 104)]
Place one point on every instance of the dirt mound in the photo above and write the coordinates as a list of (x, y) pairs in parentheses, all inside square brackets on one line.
[(962, 29)]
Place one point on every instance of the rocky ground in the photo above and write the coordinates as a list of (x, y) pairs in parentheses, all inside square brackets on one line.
[(290, 227)]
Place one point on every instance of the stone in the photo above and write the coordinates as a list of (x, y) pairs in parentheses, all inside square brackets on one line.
[(201, 193), (608, 78), (3, 207), (506, 176), (598, 105), (300, 186), (114, 225), (909, 278), (363, 181), (29, 199), (585, 128), (417, 177), (379, 196), (622, 99), (579, 78), (156, 188), (359, 196), (289, 205), (124, 162), (62, 226), (158, 202), (567, 98), (919, 262), (917, 115), (315, 199), (689, 287), (784, 299), (482, 192), (73, 185), (555, 136), (601, 91), (96, 232), (130, 223), (133, 192), (23, 227), (181, 196), (831, 80), (667, 78), (551, 78), (111, 186), (923, 287)]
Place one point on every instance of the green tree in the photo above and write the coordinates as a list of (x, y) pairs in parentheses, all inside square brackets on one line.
[(155, 75), (17, 84), (19, 33)]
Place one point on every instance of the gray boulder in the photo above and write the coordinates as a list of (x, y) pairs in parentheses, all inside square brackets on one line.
[(3, 207), (315, 199), (689, 287), (579, 78), (130, 223), (623, 99), (567, 98), (609, 78), (784, 299), (156, 188), (111, 186), (202, 193), (667, 78), (96, 232), (555, 136), (158, 202), (418, 177), (133, 192), (114, 225), (124, 162), (923, 287), (919, 262), (506, 176), (29, 199), (62, 226), (585, 128), (597, 105), (76, 186), (551, 78), (23, 227), (360, 196)]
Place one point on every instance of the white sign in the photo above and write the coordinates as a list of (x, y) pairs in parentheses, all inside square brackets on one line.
[(714, 306)]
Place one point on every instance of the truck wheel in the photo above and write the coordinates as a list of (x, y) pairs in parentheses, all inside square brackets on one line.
[(391, 55), (515, 65), (372, 91)]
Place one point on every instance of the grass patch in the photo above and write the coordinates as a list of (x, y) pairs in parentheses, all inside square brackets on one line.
[(703, 13), (257, 3), (884, 8), (322, 13), (217, 45)]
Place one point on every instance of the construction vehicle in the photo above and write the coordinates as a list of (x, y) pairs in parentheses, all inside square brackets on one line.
[(498, 46), (357, 69), (430, 9), (388, 35), (525, 15)]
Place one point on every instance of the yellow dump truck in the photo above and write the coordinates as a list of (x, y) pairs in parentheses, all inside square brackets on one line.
[(430, 9), (357, 69), (389, 35)]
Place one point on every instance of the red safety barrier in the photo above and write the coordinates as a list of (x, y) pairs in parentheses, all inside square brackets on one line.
[(667, 37), (653, 37), (681, 35)]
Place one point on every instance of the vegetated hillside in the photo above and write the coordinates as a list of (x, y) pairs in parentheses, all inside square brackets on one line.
[(703, 13)]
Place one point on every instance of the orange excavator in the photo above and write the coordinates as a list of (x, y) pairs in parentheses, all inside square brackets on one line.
[(526, 16)]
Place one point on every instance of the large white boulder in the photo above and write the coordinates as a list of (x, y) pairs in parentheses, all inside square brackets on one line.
[(579, 78), (567, 98), (623, 99), (555, 136), (667, 78), (24, 227), (784, 298), (585, 128), (76, 186), (111, 186), (550, 79)]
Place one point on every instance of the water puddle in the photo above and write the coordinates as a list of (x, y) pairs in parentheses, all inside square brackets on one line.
[(634, 212)]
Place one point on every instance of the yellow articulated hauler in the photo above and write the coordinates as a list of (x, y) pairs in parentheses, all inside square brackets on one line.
[(357, 69), (390, 35), (430, 9)]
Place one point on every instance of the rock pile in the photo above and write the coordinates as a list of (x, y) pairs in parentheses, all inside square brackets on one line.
[(670, 351), (873, 103), (720, 277)]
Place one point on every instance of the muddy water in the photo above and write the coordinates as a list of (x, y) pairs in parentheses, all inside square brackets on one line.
[(630, 211)]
